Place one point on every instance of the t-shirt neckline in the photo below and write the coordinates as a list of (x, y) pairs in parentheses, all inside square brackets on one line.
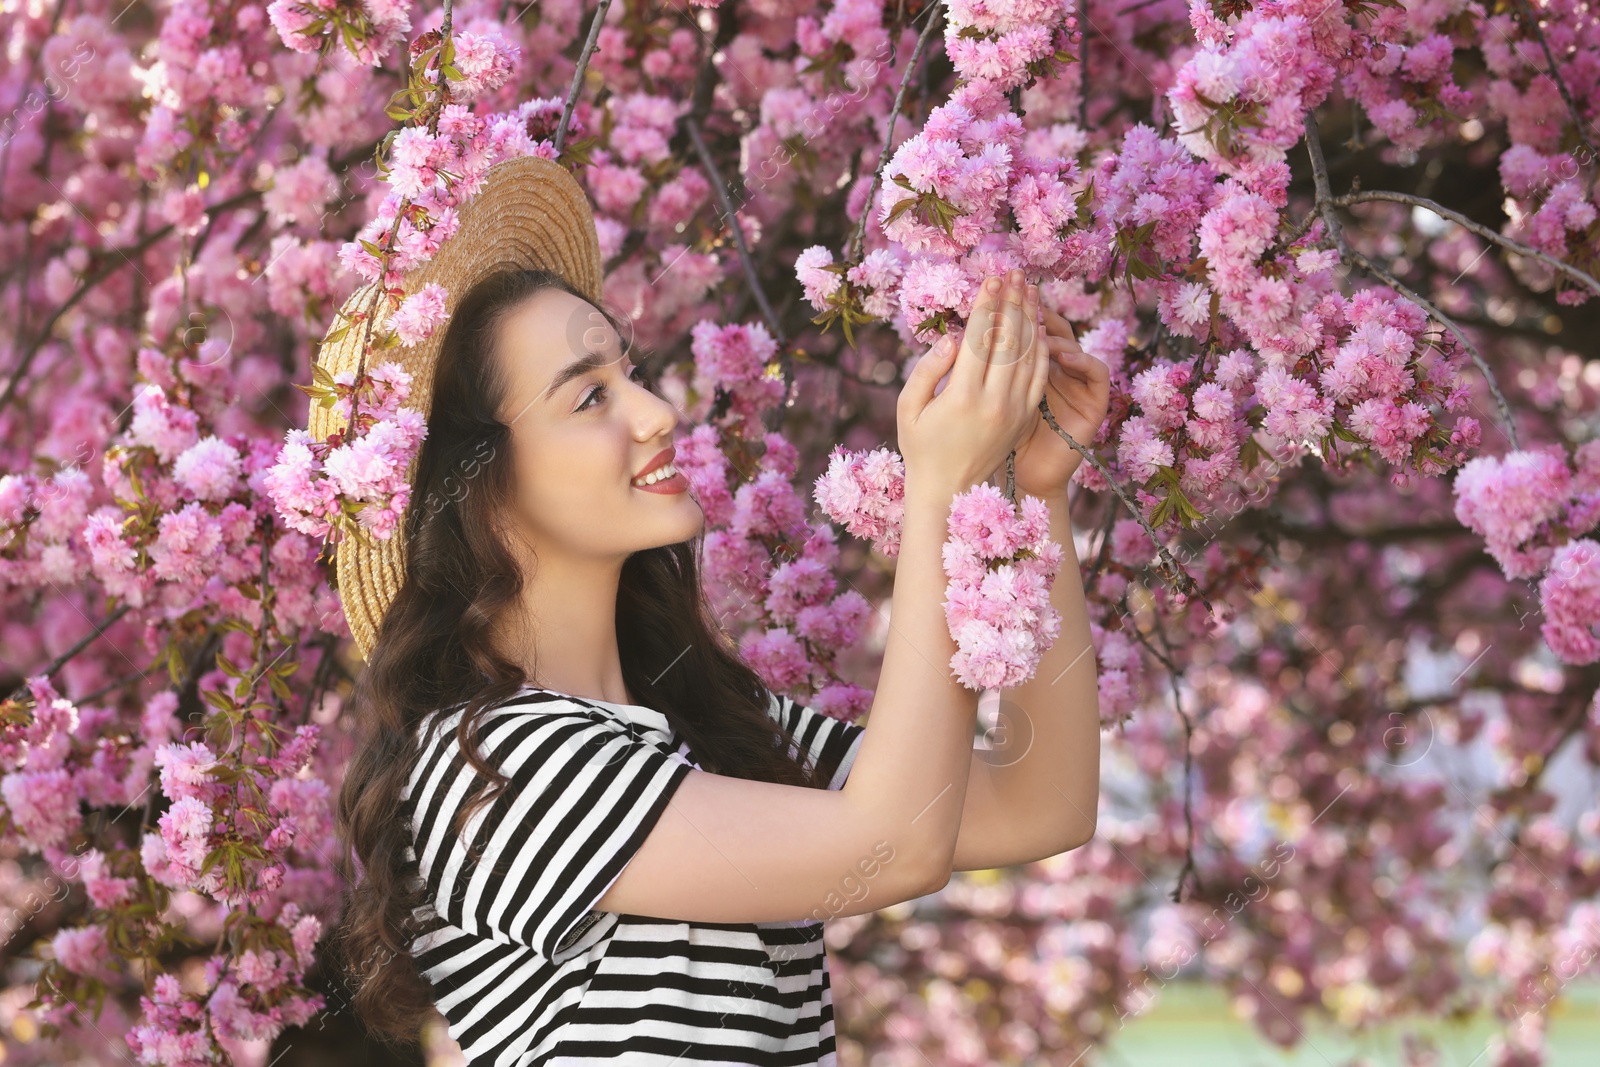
[(637, 712)]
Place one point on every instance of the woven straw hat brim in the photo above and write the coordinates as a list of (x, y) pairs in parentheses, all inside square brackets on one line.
[(530, 213)]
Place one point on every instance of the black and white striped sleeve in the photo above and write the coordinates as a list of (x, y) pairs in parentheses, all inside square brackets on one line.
[(831, 743), (584, 794)]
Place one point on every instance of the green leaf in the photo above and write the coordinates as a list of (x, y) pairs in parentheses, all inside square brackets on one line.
[(1249, 453), (1163, 510), (217, 699), (1340, 431)]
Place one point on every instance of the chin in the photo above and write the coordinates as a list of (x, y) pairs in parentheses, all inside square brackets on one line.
[(685, 524)]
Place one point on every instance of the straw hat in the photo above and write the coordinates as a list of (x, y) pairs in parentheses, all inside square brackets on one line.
[(530, 213)]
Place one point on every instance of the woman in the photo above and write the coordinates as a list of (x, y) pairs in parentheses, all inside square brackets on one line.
[(587, 831)]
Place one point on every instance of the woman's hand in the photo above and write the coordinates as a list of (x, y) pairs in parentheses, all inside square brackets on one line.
[(1078, 389), (951, 438)]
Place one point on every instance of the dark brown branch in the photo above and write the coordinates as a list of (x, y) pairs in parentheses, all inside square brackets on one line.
[(1476, 227), (785, 357), (577, 75), (1189, 870), (1325, 204), (858, 240), (1174, 571), (88, 698), (65, 657)]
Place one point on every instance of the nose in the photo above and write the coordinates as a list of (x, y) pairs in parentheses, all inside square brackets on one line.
[(659, 417)]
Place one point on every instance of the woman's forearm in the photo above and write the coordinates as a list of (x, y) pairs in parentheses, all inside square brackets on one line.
[(911, 771), (1057, 712)]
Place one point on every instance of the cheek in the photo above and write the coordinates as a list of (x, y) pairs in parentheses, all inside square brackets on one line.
[(583, 466)]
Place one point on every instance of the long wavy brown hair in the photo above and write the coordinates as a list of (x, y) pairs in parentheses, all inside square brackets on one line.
[(434, 650)]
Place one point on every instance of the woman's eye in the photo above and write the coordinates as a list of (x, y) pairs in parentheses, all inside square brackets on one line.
[(598, 390), (634, 375)]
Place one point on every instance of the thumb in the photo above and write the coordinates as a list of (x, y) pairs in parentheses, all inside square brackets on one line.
[(920, 383)]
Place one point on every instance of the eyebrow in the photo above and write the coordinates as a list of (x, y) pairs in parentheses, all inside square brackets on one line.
[(589, 361)]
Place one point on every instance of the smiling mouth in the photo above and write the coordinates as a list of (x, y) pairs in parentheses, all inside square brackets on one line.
[(660, 474)]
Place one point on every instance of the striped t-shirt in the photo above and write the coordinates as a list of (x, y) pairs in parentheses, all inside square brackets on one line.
[(523, 968)]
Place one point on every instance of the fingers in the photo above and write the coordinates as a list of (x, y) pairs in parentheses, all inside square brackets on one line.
[(1075, 361), (1032, 349), (1006, 348), (1058, 325), (924, 377), (1041, 365), (967, 375)]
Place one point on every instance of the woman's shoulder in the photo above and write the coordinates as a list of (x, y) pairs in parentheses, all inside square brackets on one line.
[(441, 723)]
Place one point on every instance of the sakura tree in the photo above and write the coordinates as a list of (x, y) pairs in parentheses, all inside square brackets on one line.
[(1338, 532)]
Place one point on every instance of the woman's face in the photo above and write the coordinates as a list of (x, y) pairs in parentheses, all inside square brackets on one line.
[(581, 429)]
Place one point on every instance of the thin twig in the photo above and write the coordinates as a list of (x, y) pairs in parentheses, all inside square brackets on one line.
[(1171, 568), (738, 231), (1189, 869), (113, 687), (1449, 324), (1104, 549), (1325, 204), (785, 358), (577, 75), (124, 258), (1083, 62), (858, 239), (1531, 20), (446, 33), (1478, 228), (61, 660)]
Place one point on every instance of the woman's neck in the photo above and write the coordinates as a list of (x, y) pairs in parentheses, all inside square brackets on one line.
[(566, 636)]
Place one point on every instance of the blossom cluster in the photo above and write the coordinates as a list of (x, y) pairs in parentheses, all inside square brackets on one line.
[(250, 998), (865, 493), (371, 27), (770, 569), (963, 197), (1532, 508), (197, 843), (1000, 563), (358, 478)]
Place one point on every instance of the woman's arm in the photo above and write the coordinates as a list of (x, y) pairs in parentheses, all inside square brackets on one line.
[(1036, 792), (732, 850), (919, 705)]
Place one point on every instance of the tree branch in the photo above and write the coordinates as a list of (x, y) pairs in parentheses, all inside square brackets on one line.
[(1325, 205), (1189, 870), (65, 657), (1530, 20), (577, 75), (858, 239), (1476, 227), (785, 359), (1171, 568)]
